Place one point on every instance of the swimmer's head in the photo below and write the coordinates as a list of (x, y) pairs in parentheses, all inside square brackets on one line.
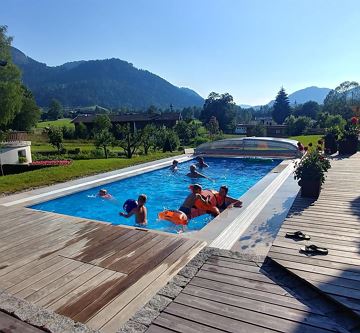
[(103, 192), (196, 188), (142, 199), (175, 162), (223, 190), (192, 167)]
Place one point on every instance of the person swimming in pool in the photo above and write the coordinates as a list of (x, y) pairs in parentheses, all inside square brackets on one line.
[(195, 174), (190, 200), (201, 163), (174, 166), (223, 201), (104, 194), (140, 211)]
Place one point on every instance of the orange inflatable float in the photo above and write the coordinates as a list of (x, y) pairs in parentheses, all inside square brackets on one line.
[(202, 208), (175, 216)]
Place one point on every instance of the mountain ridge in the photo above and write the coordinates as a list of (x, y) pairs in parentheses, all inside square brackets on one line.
[(109, 82)]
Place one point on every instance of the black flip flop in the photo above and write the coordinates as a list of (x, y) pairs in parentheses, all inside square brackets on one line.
[(313, 249), (299, 235)]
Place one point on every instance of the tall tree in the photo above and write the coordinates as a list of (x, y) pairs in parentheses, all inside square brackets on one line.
[(339, 100), (213, 127), (29, 113), (281, 108), (55, 110), (309, 109), (10, 82), (223, 108)]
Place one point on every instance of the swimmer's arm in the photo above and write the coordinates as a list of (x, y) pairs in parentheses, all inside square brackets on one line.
[(132, 212), (232, 202)]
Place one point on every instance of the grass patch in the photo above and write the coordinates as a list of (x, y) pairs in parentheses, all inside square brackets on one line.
[(306, 139), (48, 176), (57, 123)]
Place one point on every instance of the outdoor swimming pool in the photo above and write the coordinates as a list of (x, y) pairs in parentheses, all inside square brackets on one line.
[(164, 189)]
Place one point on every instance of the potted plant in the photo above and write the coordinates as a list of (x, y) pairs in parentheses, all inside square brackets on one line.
[(348, 142), (310, 172), (331, 136)]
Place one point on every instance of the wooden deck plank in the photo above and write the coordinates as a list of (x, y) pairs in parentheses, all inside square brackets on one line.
[(258, 306), (57, 294), (125, 283), (59, 273), (37, 295), (120, 309), (178, 324), (9, 324), (214, 320), (54, 261), (332, 221), (283, 300)]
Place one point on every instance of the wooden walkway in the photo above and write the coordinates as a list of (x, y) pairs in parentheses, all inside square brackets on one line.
[(237, 296), (333, 221), (95, 273), (9, 324)]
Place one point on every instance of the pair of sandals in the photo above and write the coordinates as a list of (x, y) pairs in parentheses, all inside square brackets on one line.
[(307, 249)]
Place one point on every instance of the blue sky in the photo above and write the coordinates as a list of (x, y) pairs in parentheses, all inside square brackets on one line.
[(248, 48)]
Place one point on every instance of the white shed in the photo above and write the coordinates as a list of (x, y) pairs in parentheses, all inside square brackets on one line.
[(15, 150)]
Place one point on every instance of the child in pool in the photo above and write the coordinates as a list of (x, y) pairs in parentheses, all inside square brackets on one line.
[(140, 211)]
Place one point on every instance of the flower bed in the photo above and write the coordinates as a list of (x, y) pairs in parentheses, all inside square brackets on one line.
[(52, 162)]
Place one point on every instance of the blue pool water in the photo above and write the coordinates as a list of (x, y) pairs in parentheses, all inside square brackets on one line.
[(164, 189)]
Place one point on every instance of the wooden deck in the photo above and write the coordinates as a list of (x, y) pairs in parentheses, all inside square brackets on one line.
[(236, 295), (333, 221), (95, 273), (9, 324)]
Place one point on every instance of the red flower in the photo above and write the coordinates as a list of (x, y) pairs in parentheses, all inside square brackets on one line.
[(354, 120), (306, 148), (52, 162)]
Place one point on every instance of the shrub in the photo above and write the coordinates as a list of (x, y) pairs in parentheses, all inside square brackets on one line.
[(199, 140), (22, 159)]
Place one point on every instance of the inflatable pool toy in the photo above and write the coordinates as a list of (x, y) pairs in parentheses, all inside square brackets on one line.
[(129, 205), (206, 208), (175, 216)]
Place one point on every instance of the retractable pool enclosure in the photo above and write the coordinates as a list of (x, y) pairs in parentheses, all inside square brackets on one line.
[(251, 146)]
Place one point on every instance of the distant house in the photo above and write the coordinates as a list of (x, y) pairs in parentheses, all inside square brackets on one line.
[(136, 120), (15, 149), (272, 129)]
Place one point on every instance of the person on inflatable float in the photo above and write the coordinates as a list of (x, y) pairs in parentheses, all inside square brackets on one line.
[(223, 201), (191, 198), (140, 211)]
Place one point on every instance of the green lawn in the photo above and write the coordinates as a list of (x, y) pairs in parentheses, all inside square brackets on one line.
[(80, 168), (306, 139), (58, 123)]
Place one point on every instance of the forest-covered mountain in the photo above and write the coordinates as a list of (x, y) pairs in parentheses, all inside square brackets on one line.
[(110, 83)]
